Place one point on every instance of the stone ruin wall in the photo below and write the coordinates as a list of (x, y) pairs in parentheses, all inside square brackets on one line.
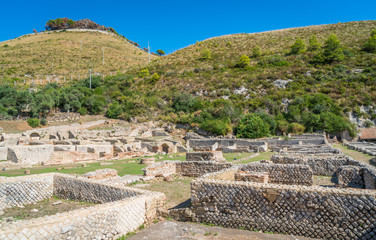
[(291, 174), (226, 145), (329, 166), (189, 169), (63, 117), (314, 212), (12, 190), (105, 221)]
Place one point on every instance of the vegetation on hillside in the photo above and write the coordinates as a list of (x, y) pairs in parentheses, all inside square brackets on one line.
[(228, 83)]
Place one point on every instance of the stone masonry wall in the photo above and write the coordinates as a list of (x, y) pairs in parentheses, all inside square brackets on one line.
[(130, 209), (315, 212), (292, 174), (12, 190), (85, 190), (197, 169)]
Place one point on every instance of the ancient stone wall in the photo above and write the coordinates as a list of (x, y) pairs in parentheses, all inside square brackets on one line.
[(315, 212), (222, 144), (205, 156), (84, 190), (24, 190), (197, 169), (292, 174), (62, 117), (350, 176), (130, 209), (3, 153), (160, 169)]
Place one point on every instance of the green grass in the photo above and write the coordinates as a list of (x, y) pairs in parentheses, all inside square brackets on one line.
[(124, 167), (352, 153), (261, 156)]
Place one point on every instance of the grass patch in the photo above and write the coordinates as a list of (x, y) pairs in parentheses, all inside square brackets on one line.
[(45, 208), (124, 167), (352, 153), (261, 156)]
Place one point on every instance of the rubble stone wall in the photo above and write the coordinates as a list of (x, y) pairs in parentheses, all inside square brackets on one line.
[(25, 190), (205, 156), (62, 117), (350, 176), (3, 153), (314, 212), (292, 174)]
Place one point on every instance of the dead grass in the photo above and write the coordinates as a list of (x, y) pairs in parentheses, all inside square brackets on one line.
[(45, 208), (34, 55)]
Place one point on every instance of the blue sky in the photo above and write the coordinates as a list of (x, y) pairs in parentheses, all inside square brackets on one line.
[(171, 25)]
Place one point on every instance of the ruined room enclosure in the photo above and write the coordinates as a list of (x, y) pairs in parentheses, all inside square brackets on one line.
[(118, 210)]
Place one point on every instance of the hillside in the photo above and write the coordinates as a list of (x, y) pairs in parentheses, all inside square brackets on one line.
[(253, 85), (59, 53)]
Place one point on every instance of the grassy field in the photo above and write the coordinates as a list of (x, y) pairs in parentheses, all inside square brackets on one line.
[(125, 166), (352, 153), (34, 55)]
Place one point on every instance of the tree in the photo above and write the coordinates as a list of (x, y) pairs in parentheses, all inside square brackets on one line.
[(114, 110), (251, 126), (370, 45), (298, 47), (268, 119), (332, 49), (314, 44), (296, 128), (243, 62), (160, 52)]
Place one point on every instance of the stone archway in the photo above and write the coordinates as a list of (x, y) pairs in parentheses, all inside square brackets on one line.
[(34, 136), (165, 148)]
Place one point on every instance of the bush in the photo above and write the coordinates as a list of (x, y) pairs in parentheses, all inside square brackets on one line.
[(183, 103), (314, 44), (243, 62), (33, 122), (154, 78), (143, 73), (82, 111), (43, 121), (283, 126), (273, 61), (251, 126), (216, 126), (296, 128), (298, 47), (256, 52), (370, 46), (205, 54), (114, 110)]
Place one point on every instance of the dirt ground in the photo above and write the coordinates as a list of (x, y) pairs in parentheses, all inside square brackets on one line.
[(324, 181), (192, 231), (46, 207)]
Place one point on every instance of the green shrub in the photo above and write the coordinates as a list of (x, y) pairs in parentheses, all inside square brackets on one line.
[(243, 62), (114, 110), (216, 126), (370, 45), (82, 111), (296, 128), (273, 61), (256, 52), (314, 44), (154, 78), (206, 54), (251, 126), (43, 121), (283, 126), (33, 122), (143, 73), (298, 47)]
